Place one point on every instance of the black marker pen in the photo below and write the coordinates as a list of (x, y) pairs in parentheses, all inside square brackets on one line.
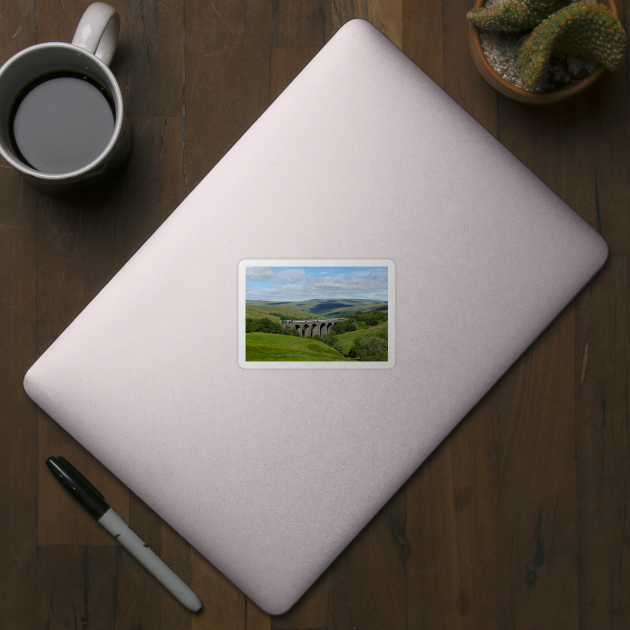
[(94, 502)]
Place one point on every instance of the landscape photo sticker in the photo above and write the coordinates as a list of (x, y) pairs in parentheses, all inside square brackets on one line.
[(316, 314)]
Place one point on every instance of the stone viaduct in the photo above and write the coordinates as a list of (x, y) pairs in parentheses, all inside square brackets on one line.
[(311, 327)]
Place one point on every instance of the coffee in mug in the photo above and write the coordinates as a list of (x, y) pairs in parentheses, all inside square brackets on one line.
[(61, 122), (65, 128)]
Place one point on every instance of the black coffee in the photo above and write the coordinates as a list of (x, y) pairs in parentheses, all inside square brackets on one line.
[(61, 123)]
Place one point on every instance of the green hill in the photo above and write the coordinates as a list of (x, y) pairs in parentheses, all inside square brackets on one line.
[(347, 339), (258, 310), (266, 347), (337, 308), (313, 308)]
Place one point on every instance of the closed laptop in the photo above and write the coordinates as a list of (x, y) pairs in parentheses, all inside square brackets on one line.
[(364, 185)]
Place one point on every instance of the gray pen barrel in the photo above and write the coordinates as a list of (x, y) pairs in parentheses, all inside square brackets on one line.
[(149, 559)]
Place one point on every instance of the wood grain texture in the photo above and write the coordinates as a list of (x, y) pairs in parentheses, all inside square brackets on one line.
[(609, 133), (602, 380), (17, 28), (573, 149), (154, 57), (422, 36), (452, 516), (18, 416), (226, 78), (300, 22), (519, 519), (369, 577), (76, 587), (386, 15), (537, 509), (461, 79)]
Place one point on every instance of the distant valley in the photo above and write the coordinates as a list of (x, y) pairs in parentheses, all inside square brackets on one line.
[(327, 308)]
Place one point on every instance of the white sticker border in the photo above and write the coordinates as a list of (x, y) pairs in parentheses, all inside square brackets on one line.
[(318, 262)]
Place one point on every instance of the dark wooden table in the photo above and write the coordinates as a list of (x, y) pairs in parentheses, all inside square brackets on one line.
[(518, 520)]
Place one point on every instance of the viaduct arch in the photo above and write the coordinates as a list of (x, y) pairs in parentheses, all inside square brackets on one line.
[(311, 327)]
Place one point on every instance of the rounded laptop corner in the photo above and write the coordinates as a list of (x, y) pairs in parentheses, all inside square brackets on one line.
[(278, 605), (603, 252), (29, 382), (357, 23), (32, 384)]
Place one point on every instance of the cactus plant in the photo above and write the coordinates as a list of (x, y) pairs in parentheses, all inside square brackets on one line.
[(583, 29), (513, 16)]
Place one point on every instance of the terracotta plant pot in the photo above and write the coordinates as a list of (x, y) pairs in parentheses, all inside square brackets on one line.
[(519, 94)]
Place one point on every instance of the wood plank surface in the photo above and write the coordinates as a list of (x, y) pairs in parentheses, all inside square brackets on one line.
[(76, 587), (155, 63), (386, 15), (602, 380), (369, 577), (226, 78), (537, 509), (452, 521), (461, 79), (518, 520), (422, 36), (18, 417), (300, 23)]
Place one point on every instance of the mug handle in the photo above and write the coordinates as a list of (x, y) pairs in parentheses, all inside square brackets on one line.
[(98, 30)]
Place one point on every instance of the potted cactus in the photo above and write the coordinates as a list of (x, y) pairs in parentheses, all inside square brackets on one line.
[(558, 48)]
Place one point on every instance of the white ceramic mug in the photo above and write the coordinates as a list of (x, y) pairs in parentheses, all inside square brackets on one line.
[(87, 58)]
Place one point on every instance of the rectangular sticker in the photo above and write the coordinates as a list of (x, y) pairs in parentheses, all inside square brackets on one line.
[(316, 314)]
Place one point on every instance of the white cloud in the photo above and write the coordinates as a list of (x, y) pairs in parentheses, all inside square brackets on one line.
[(371, 284), (290, 276), (306, 284), (261, 273)]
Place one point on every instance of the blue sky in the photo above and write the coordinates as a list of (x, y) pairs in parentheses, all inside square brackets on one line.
[(295, 284)]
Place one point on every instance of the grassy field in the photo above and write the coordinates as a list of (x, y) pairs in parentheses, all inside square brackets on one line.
[(347, 339), (266, 347)]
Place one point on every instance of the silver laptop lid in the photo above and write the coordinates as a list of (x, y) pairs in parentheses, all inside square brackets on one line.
[(362, 161)]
